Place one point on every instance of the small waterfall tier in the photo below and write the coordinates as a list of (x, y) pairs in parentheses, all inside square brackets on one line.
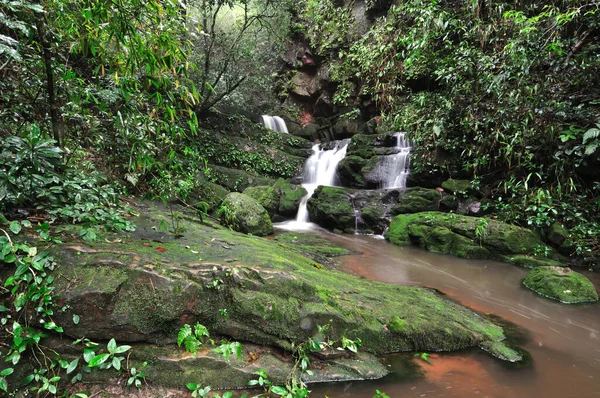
[(274, 123), (393, 169), (320, 169)]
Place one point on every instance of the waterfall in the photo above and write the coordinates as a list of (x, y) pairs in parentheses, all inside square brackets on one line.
[(394, 169), (320, 169), (274, 123)]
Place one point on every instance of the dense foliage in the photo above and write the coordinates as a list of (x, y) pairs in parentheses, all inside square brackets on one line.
[(504, 93)]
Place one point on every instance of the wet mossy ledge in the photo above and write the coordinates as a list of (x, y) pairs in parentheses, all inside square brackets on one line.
[(140, 288)]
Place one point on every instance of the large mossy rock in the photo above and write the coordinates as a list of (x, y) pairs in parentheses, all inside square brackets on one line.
[(561, 284), (416, 200), (267, 196), (462, 236), (246, 215), (290, 196), (140, 291), (330, 208)]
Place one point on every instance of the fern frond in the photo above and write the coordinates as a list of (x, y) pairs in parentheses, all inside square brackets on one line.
[(591, 134)]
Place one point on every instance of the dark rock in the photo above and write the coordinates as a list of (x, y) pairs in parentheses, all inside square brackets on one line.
[(350, 171), (346, 127), (557, 234), (449, 203), (561, 284), (246, 215), (415, 200)]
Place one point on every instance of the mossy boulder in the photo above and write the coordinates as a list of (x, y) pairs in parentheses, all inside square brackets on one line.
[(267, 196), (456, 186), (330, 207), (561, 284), (350, 171), (533, 262), (290, 196), (210, 193), (246, 215), (462, 236), (416, 200)]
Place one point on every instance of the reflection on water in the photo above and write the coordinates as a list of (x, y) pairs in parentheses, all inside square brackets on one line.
[(564, 341)]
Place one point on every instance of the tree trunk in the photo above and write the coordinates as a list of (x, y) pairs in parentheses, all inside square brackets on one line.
[(47, 58)]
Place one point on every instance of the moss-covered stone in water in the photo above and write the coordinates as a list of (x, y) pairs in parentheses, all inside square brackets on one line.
[(561, 284), (290, 197), (246, 215), (533, 262), (330, 207), (350, 171), (267, 196), (462, 236)]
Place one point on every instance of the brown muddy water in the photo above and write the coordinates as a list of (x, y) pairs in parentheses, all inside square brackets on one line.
[(563, 340)]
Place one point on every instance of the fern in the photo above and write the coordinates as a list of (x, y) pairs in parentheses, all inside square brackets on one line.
[(591, 139), (591, 134), (184, 333)]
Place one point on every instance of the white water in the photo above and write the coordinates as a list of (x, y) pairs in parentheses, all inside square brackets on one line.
[(274, 123), (393, 170), (320, 169)]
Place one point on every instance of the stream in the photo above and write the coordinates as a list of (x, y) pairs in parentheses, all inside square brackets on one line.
[(563, 340)]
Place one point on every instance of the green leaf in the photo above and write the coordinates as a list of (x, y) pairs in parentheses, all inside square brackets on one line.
[(3, 385), (184, 333), (191, 386), (98, 360), (15, 227), (6, 372), (72, 365), (278, 390), (112, 346), (76, 319), (116, 363), (122, 348)]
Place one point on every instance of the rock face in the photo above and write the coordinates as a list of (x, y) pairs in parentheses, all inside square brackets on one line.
[(561, 284), (462, 236), (246, 215), (139, 291)]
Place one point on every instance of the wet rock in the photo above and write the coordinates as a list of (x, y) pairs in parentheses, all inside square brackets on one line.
[(561, 284), (290, 196), (463, 236), (350, 171), (330, 207), (246, 215), (449, 203)]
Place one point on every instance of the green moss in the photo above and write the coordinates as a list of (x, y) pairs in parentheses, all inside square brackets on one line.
[(267, 196), (561, 284), (397, 325), (246, 215), (290, 197), (462, 236), (330, 208), (456, 186), (533, 262)]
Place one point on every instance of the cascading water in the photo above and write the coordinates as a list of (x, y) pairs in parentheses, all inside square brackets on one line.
[(393, 170), (320, 169), (274, 123)]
